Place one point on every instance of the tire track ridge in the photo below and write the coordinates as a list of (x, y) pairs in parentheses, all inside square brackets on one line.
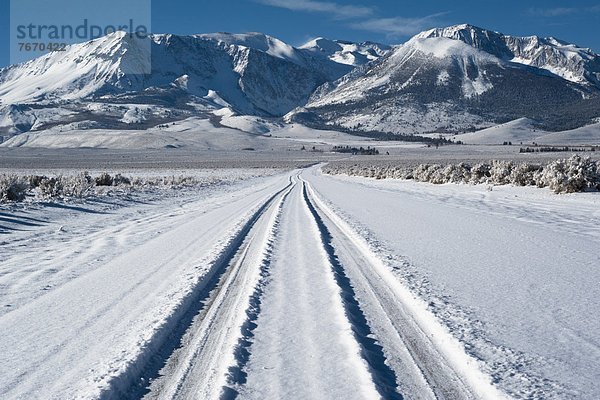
[(449, 371), (202, 329), (133, 382), (383, 376), (237, 376)]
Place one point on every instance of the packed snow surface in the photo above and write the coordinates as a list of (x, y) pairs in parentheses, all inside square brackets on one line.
[(301, 284), (512, 271)]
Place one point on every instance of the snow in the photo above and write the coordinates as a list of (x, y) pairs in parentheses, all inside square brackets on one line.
[(347, 53), (446, 347), (566, 60), (251, 72), (442, 47), (295, 284), (443, 78), (303, 331), (523, 130), (215, 98), (236, 132), (247, 123), (308, 137), (66, 75), (518, 295), (76, 337), (322, 45), (302, 283), (392, 94), (192, 132), (136, 114), (465, 55), (586, 135), (517, 131), (302, 133), (257, 41)]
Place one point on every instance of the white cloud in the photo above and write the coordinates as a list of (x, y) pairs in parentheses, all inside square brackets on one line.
[(336, 10), (398, 26), (361, 17)]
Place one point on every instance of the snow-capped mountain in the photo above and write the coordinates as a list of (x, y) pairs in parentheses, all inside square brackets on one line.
[(566, 60), (249, 76), (344, 52), (329, 68), (251, 73), (451, 79), (466, 81)]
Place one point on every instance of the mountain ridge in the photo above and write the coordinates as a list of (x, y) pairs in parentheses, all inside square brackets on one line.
[(252, 73), (567, 60), (433, 83), (453, 79)]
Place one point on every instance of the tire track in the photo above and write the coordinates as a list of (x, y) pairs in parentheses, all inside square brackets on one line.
[(303, 345), (383, 376), (215, 296), (134, 382), (237, 376), (411, 335)]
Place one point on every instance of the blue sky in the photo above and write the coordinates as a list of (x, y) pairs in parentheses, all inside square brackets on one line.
[(388, 21)]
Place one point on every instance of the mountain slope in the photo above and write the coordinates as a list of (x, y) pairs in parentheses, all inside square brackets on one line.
[(454, 79), (114, 65), (344, 52), (251, 73), (81, 70), (563, 59), (437, 84)]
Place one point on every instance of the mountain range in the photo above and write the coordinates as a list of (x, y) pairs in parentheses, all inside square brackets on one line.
[(454, 79)]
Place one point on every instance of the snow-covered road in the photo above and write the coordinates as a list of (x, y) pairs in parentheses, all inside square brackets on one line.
[(314, 326), (296, 286)]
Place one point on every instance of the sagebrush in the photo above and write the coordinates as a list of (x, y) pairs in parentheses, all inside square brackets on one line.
[(14, 188), (575, 174)]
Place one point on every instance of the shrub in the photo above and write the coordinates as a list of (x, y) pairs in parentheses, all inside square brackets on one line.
[(120, 180), (575, 174), (81, 185), (13, 188), (49, 188), (500, 172), (104, 180), (524, 174), (480, 173)]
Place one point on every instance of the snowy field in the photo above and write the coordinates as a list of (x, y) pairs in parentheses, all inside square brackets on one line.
[(523, 131), (511, 272), (186, 235), (287, 283)]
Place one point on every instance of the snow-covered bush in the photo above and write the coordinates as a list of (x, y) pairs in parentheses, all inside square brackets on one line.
[(427, 173), (15, 188), (120, 180), (480, 173), (106, 179), (575, 174), (81, 185), (12, 188), (47, 188), (524, 174), (457, 173), (500, 172)]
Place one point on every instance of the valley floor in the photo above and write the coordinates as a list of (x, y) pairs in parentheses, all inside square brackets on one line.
[(302, 285)]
